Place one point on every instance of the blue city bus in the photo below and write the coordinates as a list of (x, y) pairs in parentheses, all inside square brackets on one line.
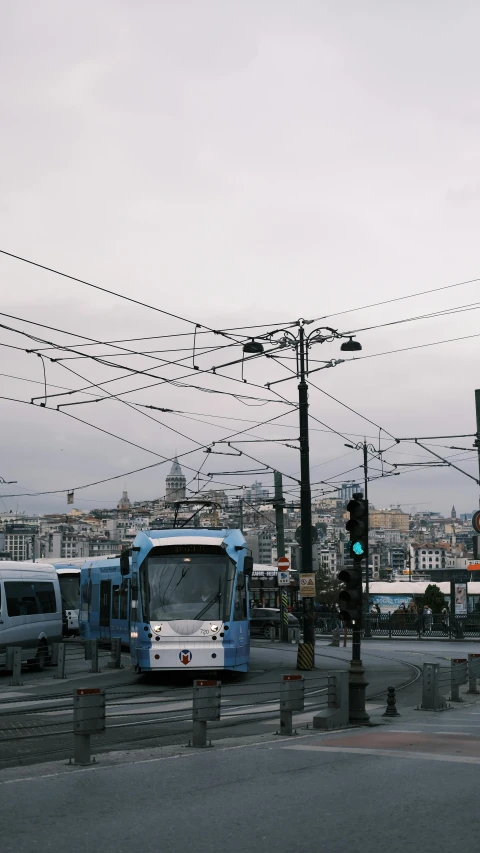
[(177, 599)]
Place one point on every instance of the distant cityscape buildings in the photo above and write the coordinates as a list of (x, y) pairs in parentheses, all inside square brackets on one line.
[(418, 545), (348, 489)]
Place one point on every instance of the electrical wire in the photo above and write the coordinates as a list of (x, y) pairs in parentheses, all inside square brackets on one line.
[(133, 371), (407, 349), (396, 299), (111, 292), (444, 312)]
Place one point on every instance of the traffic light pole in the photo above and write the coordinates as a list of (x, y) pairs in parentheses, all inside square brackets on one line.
[(352, 601), (305, 490)]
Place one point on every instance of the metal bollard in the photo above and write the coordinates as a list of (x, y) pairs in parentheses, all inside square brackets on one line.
[(431, 697), (305, 656), (88, 719), (391, 710), (473, 673), (206, 706), (116, 654), (58, 657), (458, 676), (293, 635), (335, 638), (14, 662), (94, 656), (292, 698)]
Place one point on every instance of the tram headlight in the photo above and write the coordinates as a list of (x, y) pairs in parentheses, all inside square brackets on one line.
[(214, 628), (157, 628)]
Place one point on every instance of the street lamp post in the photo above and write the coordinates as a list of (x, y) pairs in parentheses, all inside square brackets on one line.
[(301, 345), (305, 490)]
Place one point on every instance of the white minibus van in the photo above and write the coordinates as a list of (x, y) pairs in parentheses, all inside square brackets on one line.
[(30, 610)]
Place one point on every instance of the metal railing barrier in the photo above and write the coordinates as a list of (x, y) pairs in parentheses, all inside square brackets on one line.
[(432, 700), (292, 698), (458, 676), (116, 654), (335, 638), (473, 666), (336, 714), (14, 663), (59, 659), (206, 707), (88, 719)]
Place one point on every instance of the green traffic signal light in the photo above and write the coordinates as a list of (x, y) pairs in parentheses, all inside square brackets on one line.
[(357, 526)]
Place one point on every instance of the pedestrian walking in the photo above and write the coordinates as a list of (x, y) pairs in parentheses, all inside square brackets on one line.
[(427, 619), (445, 619)]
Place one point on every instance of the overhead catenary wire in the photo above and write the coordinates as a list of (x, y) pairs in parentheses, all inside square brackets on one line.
[(160, 380), (109, 292), (120, 438), (396, 299)]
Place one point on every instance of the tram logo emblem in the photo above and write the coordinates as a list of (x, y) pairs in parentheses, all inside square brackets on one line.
[(185, 656)]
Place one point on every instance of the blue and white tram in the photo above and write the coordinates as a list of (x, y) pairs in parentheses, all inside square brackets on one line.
[(179, 600)]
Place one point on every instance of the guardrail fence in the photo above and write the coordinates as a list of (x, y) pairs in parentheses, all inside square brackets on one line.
[(473, 666), (206, 707)]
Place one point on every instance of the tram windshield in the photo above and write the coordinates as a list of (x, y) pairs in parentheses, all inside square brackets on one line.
[(70, 591), (187, 586)]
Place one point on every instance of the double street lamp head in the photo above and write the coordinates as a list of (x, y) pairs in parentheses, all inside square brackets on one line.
[(351, 346)]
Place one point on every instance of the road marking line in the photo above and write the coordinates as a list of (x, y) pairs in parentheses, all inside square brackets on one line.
[(461, 734), (95, 768), (393, 753)]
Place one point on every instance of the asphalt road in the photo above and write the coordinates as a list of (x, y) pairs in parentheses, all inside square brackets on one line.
[(36, 718), (411, 782)]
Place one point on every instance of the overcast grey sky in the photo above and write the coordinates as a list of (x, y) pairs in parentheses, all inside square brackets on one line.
[(239, 163)]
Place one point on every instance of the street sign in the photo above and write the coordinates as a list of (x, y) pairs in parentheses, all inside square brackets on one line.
[(283, 578), (307, 585), (283, 564), (476, 521), (460, 599)]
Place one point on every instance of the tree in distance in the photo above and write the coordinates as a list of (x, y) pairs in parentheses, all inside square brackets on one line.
[(327, 587), (434, 598)]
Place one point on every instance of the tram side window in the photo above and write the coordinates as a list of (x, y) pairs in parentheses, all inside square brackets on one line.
[(240, 605), (21, 599), (123, 602), (115, 602)]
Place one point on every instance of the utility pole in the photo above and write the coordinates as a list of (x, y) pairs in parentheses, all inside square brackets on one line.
[(477, 437), (279, 504), (305, 491)]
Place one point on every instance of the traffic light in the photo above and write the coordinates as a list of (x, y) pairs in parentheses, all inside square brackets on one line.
[(350, 598), (357, 526)]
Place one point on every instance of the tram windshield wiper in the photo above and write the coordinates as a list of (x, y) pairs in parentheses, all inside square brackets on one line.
[(215, 598)]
